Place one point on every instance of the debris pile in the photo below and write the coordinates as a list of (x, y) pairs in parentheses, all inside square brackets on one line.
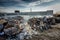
[(16, 27)]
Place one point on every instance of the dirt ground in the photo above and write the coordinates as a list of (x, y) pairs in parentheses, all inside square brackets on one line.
[(51, 34)]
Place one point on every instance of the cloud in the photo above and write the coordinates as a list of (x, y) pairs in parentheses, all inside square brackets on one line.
[(25, 5), (29, 0), (35, 3), (47, 0), (38, 2), (55, 7), (7, 3)]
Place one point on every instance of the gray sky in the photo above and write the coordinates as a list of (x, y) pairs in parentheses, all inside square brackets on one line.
[(25, 5)]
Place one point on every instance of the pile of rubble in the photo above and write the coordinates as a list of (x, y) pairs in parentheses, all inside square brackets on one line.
[(40, 24), (16, 29), (27, 32)]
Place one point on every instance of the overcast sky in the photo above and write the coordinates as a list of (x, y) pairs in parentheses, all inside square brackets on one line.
[(25, 5)]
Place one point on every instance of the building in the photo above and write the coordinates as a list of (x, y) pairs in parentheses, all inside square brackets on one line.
[(48, 12), (17, 12)]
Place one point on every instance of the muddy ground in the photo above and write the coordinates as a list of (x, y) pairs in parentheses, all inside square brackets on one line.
[(50, 34)]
